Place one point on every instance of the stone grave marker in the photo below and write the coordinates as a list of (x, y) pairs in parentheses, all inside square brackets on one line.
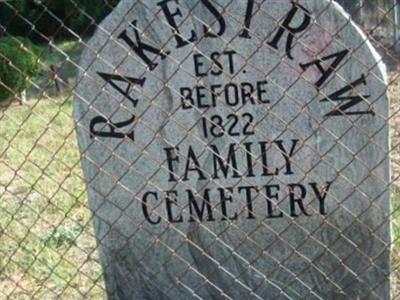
[(236, 149)]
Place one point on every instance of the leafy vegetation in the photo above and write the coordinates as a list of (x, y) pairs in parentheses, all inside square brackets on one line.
[(18, 63), (54, 19)]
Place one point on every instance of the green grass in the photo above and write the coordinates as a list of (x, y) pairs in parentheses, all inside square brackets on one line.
[(47, 244)]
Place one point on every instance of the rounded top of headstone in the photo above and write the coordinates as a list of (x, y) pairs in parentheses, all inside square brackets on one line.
[(155, 70), (172, 45), (218, 122)]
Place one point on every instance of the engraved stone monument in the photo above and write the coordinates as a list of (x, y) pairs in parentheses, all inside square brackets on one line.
[(236, 149)]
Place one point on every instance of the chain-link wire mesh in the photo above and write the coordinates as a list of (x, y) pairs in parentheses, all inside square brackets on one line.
[(48, 247)]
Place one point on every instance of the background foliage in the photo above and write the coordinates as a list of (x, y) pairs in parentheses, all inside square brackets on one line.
[(18, 63), (39, 20)]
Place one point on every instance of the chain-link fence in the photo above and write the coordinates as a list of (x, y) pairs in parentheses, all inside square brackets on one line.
[(332, 245)]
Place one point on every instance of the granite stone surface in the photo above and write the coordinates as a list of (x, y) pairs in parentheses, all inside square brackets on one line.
[(236, 149)]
